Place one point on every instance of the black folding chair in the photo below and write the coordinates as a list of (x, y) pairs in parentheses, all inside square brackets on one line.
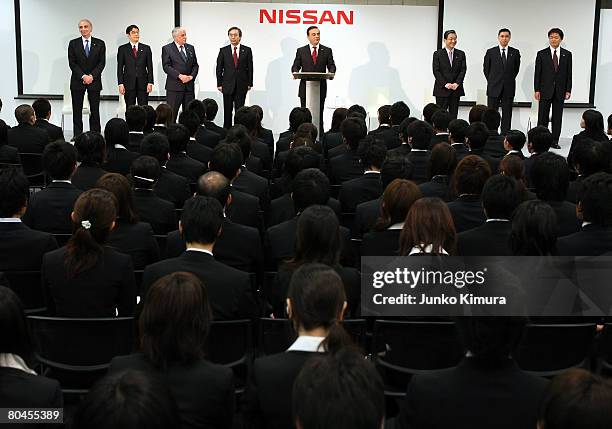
[(28, 287), (62, 239), (33, 169)]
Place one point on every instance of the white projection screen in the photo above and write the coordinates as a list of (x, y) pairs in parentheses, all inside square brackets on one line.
[(47, 27), (477, 23)]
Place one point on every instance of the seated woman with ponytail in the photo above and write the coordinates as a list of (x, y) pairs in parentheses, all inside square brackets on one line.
[(315, 303), (86, 278)]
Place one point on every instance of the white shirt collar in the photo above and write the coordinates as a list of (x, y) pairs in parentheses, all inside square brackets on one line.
[(506, 48), (134, 44), (136, 132), (61, 181), (497, 220), (418, 150), (120, 146), (193, 249), (318, 48), (583, 223), (552, 51), (192, 139), (371, 172), (416, 250), (179, 47), (307, 343), (399, 225), (237, 49), (448, 51), (10, 360), (9, 220), (83, 40)]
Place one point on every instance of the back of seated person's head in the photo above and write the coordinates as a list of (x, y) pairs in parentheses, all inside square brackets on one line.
[(24, 114), (595, 199), (399, 111), (471, 174), (477, 135), (457, 129), (215, 185), (428, 223), (151, 116), (512, 166), (534, 229), (226, 159), (120, 187), (500, 196), (59, 160), (175, 320), (593, 122), (298, 116), (443, 161), (128, 399), (610, 125), (384, 114), (258, 114), (309, 130), (328, 386), (93, 218), (301, 141), (163, 114), (211, 107), (440, 121), (419, 134), (42, 108), (395, 167), (191, 121), (396, 201), (429, 110), (591, 157), (550, 176), (338, 116), (317, 237), (136, 118), (91, 148), (145, 171), (239, 135), (309, 187), (300, 158), (359, 109), (178, 137), (539, 139), (156, 145), (576, 398), (516, 140), (403, 128), (492, 119), (372, 153), (14, 193), (247, 117), (16, 337), (201, 220), (353, 132), (116, 131), (197, 107), (476, 113), (3, 133), (356, 114)]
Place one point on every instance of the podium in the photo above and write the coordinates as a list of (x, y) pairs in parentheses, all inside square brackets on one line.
[(313, 93)]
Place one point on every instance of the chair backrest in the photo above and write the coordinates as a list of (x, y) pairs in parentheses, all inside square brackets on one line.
[(28, 287), (230, 343), (62, 239), (121, 107), (67, 106)]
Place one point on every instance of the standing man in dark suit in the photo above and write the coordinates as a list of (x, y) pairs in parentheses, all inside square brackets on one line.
[(314, 57), (86, 58), (134, 69), (552, 82), (234, 74), (501, 66), (181, 66), (449, 68)]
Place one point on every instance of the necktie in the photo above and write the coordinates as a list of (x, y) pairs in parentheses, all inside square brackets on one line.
[(183, 54), (450, 57), (134, 51), (314, 54), (504, 58), (87, 48), (235, 57), (555, 61)]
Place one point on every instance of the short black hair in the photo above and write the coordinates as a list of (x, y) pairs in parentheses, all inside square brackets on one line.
[(471, 175), (215, 185), (516, 139), (504, 30), (429, 110), (247, 117), (457, 128), (596, 199), (201, 219), (359, 109), (477, 135), (534, 229), (178, 137), (91, 148), (440, 120), (443, 160), (145, 171), (16, 334), (226, 158), (591, 157), (129, 28), (384, 114), (14, 191), (191, 121), (492, 119), (399, 112), (298, 116), (309, 187), (240, 135), (558, 31), (59, 159), (156, 144), (500, 196), (211, 107), (403, 128), (540, 138), (395, 167), (312, 27), (419, 134), (610, 122), (42, 107), (300, 158), (491, 339), (136, 118), (550, 176), (448, 33), (476, 113), (235, 28), (352, 131), (198, 107), (23, 113), (151, 117), (372, 153)]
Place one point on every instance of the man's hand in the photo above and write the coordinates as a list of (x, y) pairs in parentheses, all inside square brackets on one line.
[(121, 89), (149, 88), (455, 86), (448, 86), (87, 79), (184, 78), (220, 88), (568, 95), (537, 95)]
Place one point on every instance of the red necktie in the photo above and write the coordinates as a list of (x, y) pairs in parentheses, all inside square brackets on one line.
[(134, 51), (235, 57), (555, 61), (314, 54)]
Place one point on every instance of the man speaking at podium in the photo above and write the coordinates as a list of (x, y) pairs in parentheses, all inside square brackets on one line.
[(314, 57)]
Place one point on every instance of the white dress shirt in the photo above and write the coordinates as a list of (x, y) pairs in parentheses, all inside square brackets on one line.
[(306, 343), (237, 50)]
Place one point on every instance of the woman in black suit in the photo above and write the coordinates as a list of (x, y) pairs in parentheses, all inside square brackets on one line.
[(263, 134), (20, 387), (428, 229), (163, 118), (397, 199), (129, 236), (174, 324), (440, 168), (91, 152), (333, 137), (86, 278), (592, 123), (118, 156)]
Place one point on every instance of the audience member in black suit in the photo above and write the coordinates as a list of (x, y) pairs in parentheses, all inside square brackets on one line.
[(590, 157), (238, 134), (514, 141), (195, 149), (229, 289), (367, 187), (385, 131), (457, 129), (500, 196), (454, 397), (593, 124), (49, 210), (550, 178), (136, 118), (539, 140), (130, 236), (333, 138), (91, 153), (118, 157), (428, 112), (203, 135), (21, 248), (398, 113), (127, 399), (174, 324), (595, 211), (151, 117), (348, 166), (471, 175), (263, 134), (404, 148), (86, 278), (494, 147), (170, 186), (297, 117), (212, 108), (440, 170), (163, 117), (8, 154), (512, 166), (440, 121), (20, 387), (449, 68), (428, 229), (247, 117), (179, 162), (42, 110), (419, 135), (476, 113), (534, 229), (298, 159), (306, 135), (25, 136), (315, 304), (397, 199), (477, 135)]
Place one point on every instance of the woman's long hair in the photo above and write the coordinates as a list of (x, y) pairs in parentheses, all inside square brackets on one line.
[(317, 237), (594, 125), (429, 223), (397, 199), (120, 187)]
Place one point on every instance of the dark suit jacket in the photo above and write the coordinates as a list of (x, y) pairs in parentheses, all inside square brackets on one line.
[(267, 137), (381, 243), (344, 167), (494, 147), (82, 65), (545, 80), (86, 176), (210, 125), (591, 240), (580, 138), (303, 62), (19, 389), (252, 184), (282, 209), (244, 209), (420, 163), (439, 138), (366, 215), (261, 151), (338, 150), (119, 161), (567, 222), (402, 150), (172, 187), (235, 80), (136, 240), (438, 186), (173, 65), (22, 248), (49, 210), (199, 151), (461, 150), (134, 73), (96, 292), (474, 397), (527, 164), (157, 212), (445, 73), (229, 290), (467, 212), (488, 239), (184, 165), (388, 134), (330, 140), (55, 132), (356, 191), (28, 138), (207, 137), (9, 154), (204, 391), (499, 78), (135, 140)]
